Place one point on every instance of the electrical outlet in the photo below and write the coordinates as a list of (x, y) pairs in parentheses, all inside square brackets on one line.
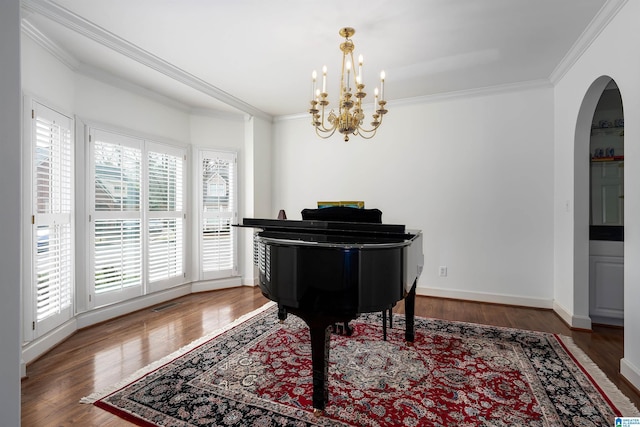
[(442, 271)]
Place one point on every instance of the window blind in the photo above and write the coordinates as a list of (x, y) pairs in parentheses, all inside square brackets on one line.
[(165, 223), (218, 204), (117, 223), (52, 247), (138, 216)]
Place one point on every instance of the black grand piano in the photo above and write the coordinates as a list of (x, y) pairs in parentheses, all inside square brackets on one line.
[(327, 272)]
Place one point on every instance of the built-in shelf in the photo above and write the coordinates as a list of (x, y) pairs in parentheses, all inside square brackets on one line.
[(607, 159), (618, 131)]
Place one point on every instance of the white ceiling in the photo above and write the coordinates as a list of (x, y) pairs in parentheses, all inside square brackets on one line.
[(256, 56)]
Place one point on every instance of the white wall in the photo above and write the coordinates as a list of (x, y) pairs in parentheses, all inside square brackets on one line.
[(257, 184), (614, 54), (262, 153), (474, 173), (104, 103), (10, 113), (46, 76)]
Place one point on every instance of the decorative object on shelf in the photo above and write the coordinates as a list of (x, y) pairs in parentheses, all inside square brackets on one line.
[(350, 115), (606, 155)]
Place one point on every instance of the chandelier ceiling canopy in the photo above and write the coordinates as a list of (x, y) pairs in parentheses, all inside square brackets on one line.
[(350, 115)]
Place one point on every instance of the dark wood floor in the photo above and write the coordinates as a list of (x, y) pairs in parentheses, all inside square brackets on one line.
[(100, 356)]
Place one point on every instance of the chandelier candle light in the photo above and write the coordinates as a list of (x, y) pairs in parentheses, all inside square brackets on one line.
[(350, 114)]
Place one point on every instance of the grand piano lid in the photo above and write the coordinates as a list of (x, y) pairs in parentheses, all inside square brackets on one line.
[(325, 227)]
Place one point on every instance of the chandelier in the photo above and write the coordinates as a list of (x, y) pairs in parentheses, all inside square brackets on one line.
[(350, 115)]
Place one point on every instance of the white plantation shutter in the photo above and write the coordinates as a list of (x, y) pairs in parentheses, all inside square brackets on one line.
[(116, 235), (165, 249), (117, 176), (165, 170), (54, 270), (118, 257), (218, 212), (52, 248)]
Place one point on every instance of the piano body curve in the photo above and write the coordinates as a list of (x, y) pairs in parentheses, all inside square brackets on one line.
[(327, 272)]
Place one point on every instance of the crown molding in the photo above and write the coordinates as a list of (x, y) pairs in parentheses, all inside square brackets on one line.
[(475, 92), (218, 114), (100, 35), (586, 39), (49, 45), (98, 74)]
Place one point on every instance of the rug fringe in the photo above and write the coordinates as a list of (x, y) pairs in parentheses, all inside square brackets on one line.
[(621, 402), (97, 395)]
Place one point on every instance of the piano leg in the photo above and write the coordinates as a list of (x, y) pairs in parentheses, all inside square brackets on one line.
[(342, 328), (320, 330), (385, 313), (282, 313), (384, 324), (410, 309), (320, 344)]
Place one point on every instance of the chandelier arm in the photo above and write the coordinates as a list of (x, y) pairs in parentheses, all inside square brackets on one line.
[(373, 129), (324, 128), (361, 131), (373, 133), (327, 130), (319, 125)]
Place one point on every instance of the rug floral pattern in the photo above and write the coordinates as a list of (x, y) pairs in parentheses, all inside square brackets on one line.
[(455, 374)]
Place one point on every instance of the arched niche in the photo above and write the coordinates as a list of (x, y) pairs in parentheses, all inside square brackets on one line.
[(581, 195)]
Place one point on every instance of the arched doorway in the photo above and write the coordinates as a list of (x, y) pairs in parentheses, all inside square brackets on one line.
[(598, 245), (606, 224)]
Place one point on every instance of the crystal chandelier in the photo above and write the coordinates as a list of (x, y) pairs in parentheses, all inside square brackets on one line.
[(350, 115)]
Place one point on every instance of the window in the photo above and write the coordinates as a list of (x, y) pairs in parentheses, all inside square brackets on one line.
[(50, 291), (165, 230), (137, 216), (116, 219), (218, 211)]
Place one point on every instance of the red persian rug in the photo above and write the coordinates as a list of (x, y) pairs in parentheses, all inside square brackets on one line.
[(257, 372)]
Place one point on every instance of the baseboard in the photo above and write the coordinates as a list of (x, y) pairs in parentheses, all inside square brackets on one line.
[(103, 314), (630, 372), (573, 321), (36, 348), (214, 285), (250, 281), (485, 297)]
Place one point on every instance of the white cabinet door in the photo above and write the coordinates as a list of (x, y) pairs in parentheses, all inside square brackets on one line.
[(606, 282), (607, 193)]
